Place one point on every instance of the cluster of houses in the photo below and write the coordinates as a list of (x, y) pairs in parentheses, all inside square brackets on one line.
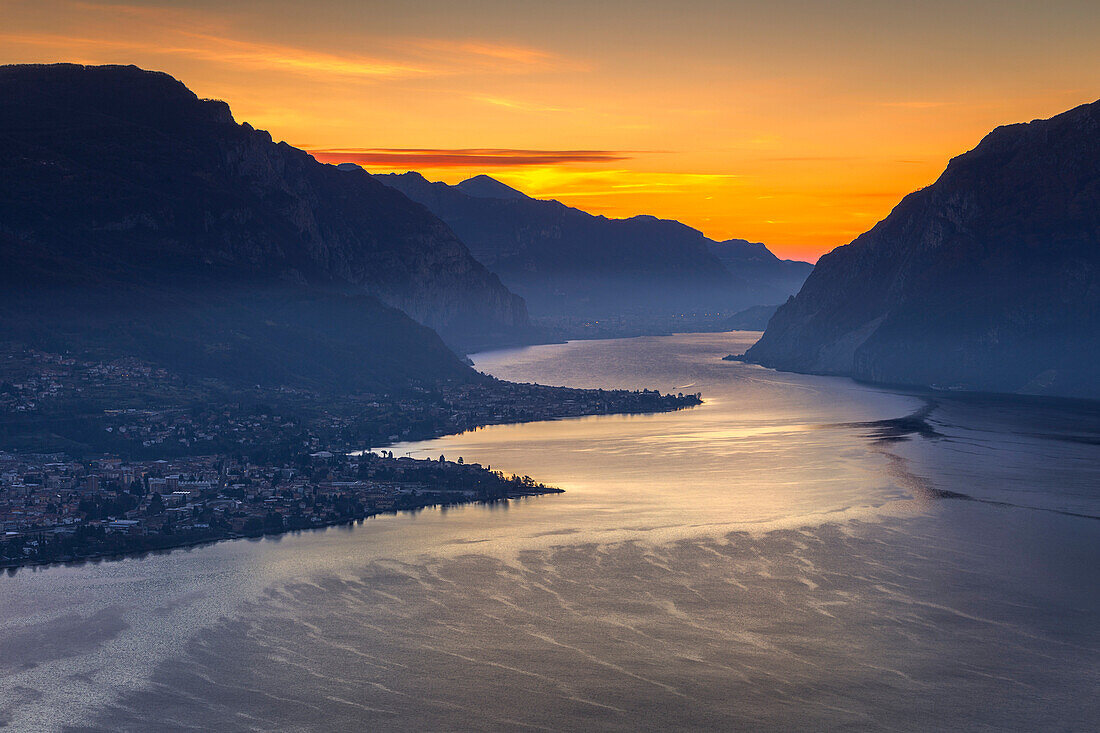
[(51, 501), (30, 379), (255, 461)]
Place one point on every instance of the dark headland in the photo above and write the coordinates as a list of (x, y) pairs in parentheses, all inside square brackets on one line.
[(987, 280)]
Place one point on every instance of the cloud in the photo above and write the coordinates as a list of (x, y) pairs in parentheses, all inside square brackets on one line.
[(415, 158), (140, 32), (517, 105), (146, 12), (568, 184), (206, 47), (808, 159), (914, 104), (486, 50)]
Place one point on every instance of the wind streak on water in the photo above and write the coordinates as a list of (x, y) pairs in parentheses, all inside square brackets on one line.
[(869, 625)]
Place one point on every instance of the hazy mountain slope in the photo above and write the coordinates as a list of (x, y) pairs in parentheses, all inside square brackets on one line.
[(751, 319), (986, 280), (566, 262), (242, 334), (120, 164), (756, 262), (138, 220)]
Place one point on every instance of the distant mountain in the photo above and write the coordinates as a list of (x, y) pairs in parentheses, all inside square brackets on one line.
[(987, 280), (756, 262), (484, 187), (134, 215), (751, 319), (567, 263)]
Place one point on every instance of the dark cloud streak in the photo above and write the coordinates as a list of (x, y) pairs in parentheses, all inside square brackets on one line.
[(463, 157)]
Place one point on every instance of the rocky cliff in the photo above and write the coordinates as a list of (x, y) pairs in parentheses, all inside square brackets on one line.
[(986, 280), (124, 165)]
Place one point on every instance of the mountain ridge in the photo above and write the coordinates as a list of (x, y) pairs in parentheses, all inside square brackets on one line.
[(985, 280), (137, 219), (483, 186), (98, 140), (567, 262)]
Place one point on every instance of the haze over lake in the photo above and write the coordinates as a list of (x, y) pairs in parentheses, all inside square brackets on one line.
[(798, 552)]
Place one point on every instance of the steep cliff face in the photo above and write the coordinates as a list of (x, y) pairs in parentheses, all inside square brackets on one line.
[(566, 262), (986, 280), (128, 166)]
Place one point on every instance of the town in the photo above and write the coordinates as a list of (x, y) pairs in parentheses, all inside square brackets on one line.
[(114, 457), (55, 509)]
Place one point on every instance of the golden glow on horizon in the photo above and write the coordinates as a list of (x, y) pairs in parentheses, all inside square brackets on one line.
[(799, 125)]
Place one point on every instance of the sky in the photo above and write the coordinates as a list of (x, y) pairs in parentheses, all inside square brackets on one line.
[(799, 124)]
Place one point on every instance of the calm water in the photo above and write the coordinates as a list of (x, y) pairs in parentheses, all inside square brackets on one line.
[(784, 556)]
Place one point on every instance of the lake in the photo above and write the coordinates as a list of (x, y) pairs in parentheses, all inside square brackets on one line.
[(797, 552)]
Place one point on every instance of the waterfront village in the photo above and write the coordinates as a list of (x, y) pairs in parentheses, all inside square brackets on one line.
[(53, 509), (109, 458)]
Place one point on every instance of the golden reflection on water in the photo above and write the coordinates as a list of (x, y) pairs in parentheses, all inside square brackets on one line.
[(763, 448)]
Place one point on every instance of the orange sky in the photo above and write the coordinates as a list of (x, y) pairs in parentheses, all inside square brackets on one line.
[(799, 124)]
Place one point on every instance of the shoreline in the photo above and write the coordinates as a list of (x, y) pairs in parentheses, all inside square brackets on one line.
[(9, 568), (274, 494)]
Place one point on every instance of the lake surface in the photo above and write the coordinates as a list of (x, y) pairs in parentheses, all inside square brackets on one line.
[(796, 553)]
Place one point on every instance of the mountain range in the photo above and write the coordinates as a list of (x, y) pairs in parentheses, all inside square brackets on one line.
[(987, 280), (136, 217), (568, 263)]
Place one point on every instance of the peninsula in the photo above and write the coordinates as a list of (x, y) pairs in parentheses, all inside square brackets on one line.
[(121, 456)]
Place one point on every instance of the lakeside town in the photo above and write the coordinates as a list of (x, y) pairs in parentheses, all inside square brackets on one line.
[(105, 458), (55, 509)]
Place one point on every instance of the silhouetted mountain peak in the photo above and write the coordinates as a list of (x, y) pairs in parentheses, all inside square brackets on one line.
[(486, 187), (411, 176), (742, 250), (148, 98)]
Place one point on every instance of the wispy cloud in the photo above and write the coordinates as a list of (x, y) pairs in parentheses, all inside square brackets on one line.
[(487, 51), (566, 184), (141, 32), (807, 159), (158, 14), (415, 158), (914, 104), (205, 47), (517, 105)]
